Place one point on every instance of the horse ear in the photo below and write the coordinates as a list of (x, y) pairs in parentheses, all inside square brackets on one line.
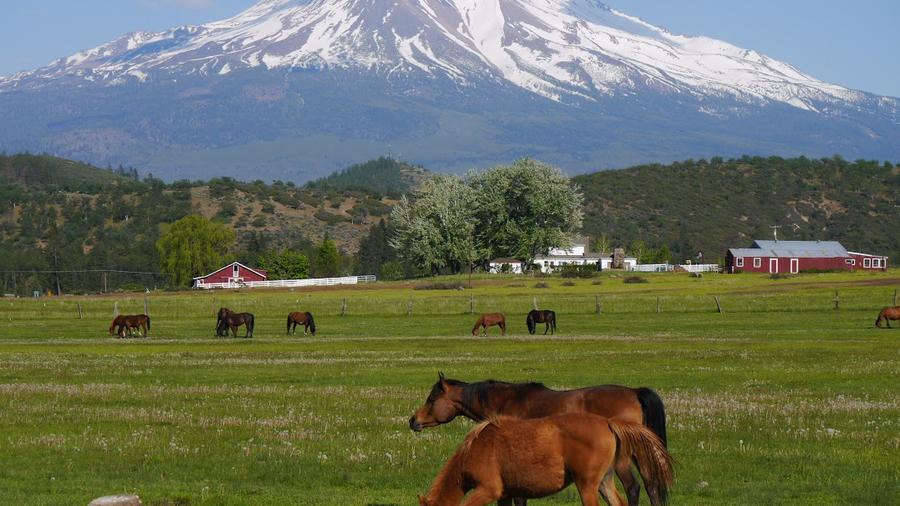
[(443, 381), (441, 376)]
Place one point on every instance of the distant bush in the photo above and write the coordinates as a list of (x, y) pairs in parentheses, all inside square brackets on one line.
[(778, 275), (391, 271), (597, 282), (635, 279), (579, 271), (541, 285), (568, 283)]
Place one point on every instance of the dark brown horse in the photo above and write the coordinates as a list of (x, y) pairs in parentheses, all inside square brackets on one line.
[(887, 314), (233, 321), (480, 401), (547, 317), (298, 318), (139, 323), (506, 457), (223, 312), (489, 320)]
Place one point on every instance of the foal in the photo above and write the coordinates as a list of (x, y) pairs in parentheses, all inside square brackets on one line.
[(509, 457), (489, 320)]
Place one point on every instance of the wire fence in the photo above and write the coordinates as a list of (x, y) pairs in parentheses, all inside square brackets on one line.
[(201, 304)]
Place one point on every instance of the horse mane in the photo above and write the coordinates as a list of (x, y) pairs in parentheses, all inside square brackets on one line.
[(479, 392)]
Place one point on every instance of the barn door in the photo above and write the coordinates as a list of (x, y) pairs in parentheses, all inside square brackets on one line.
[(795, 265), (773, 265)]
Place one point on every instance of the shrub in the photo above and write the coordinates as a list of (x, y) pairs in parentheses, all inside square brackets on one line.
[(568, 283), (541, 285), (597, 282), (440, 286), (635, 279), (579, 271)]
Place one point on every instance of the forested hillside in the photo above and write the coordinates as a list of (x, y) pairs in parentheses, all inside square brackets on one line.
[(59, 215), (712, 205)]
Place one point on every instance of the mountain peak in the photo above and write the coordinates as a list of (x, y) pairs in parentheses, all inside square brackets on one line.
[(560, 49)]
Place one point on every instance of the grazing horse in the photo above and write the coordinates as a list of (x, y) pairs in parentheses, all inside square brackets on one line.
[(488, 320), (130, 324), (506, 457), (887, 314), (548, 317), (233, 321), (298, 318), (480, 401), (223, 312)]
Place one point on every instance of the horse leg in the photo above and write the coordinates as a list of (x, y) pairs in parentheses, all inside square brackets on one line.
[(546, 327), (482, 496), (519, 501), (608, 491), (629, 483)]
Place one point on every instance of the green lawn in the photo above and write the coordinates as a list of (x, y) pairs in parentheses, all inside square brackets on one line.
[(781, 399)]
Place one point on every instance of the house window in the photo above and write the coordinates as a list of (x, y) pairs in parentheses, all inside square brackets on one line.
[(850, 261), (867, 262), (757, 262), (876, 263), (739, 262), (235, 270)]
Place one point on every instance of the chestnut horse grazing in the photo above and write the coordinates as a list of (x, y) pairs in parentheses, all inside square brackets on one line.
[(480, 401), (547, 317), (887, 314), (298, 318), (489, 320), (130, 324), (506, 457)]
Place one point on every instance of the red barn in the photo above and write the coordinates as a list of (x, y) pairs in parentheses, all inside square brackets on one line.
[(797, 256), (234, 273)]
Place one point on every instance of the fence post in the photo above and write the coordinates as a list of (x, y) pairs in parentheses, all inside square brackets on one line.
[(471, 304), (718, 306), (80, 314), (837, 300), (534, 303), (409, 306), (895, 297), (657, 304), (343, 307), (116, 309), (146, 306), (597, 308)]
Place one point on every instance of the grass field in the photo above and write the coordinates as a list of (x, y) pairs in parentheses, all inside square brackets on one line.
[(780, 399)]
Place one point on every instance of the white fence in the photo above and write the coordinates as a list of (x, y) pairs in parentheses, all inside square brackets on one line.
[(652, 268), (290, 283), (680, 267), (700, 267)]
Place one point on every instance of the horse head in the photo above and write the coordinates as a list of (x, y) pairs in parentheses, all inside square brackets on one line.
[(442, 405)]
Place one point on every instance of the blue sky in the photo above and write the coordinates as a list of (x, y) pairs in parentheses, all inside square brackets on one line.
[(852, 43)]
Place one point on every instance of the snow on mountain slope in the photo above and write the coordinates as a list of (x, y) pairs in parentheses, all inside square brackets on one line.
[(561, 49)]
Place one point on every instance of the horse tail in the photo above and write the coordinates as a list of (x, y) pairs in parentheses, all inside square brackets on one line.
[(250, 323), (553, 320), (148, 322), (654, 413), (312, 322), (653, 459)]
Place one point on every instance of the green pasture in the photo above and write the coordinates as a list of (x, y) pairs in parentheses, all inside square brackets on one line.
[(779, 399)]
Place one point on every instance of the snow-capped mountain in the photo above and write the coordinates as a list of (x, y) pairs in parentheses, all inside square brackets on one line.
[(577, 54)]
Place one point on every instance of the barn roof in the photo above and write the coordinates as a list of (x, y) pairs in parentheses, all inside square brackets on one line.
[(261, 273), (793, 249)]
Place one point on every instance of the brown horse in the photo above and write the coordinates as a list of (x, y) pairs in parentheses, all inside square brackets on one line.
[(547, 317), (298, 318), (508, 457), (139, 323), (223, 312), (887, 314), (233, 321), (479, 401), (489, 320)]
